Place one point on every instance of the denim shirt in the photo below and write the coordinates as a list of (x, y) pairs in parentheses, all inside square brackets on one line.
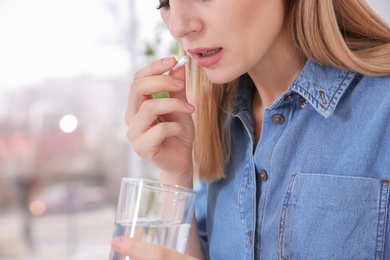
[(316, 185)]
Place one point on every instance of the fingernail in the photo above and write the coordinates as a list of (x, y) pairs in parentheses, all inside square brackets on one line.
[(178, 83), (189, 106), (180, 63), (116, 243), (166, 61)]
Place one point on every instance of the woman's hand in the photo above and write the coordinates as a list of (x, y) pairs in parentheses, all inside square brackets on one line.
[(161, 130), (138, 250)]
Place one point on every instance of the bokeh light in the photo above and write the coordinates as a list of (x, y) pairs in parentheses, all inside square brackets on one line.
[(37, 207), (68, 123)]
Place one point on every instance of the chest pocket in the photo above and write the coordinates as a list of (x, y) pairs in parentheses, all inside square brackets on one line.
[(333, 217)]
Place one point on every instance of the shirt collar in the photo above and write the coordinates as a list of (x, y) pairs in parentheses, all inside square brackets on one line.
[(321, 86)]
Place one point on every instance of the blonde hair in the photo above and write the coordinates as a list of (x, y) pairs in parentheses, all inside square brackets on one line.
[(346, 34)]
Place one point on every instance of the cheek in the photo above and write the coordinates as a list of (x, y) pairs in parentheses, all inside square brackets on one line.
[(165, 17), (258, 17)]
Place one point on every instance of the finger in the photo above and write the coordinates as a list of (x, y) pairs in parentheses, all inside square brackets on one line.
[(154, 84), (142, 89), (149, 74), (139, 250), (148, 145), (156, 67), (150, 110), (179, 74)]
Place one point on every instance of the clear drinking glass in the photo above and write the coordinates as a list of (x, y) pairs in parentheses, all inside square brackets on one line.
[(154, 212)]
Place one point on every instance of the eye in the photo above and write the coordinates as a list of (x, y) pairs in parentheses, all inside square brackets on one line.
[(163, 4)]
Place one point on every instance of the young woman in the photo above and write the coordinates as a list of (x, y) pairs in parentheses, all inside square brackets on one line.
[(286, 123)]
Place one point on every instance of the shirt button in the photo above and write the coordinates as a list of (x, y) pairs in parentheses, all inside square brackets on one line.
[(278, 119), (263, 175), (302, 102), (289, 97)]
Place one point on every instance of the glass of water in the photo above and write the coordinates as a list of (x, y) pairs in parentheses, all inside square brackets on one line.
[(154, 212)]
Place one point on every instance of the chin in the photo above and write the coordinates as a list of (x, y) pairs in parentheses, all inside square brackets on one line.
[(221, 78)]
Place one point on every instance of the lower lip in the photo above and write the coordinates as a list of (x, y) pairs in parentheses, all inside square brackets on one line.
[(209, 60)]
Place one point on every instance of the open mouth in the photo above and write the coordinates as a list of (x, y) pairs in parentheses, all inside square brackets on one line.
[(210, 52), (207, 57)]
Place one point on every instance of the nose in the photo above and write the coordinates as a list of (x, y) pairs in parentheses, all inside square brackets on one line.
[(183, 19)]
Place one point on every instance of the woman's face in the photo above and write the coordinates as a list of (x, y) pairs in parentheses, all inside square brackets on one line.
[(226, 37)]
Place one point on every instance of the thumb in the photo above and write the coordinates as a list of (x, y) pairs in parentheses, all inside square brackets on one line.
[(180, 73)]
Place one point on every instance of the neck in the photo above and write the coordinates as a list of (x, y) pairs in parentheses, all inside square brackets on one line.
[(275, 72)]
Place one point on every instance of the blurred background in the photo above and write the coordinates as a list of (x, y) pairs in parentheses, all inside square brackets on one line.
[(65, 70)]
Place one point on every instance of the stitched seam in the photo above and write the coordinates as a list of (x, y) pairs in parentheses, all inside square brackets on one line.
[(377, 255), (283, 215), (243, 184), (277, 140), (332, 97), (262, 217), (379, 222), (385, 221), (269, 167)]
